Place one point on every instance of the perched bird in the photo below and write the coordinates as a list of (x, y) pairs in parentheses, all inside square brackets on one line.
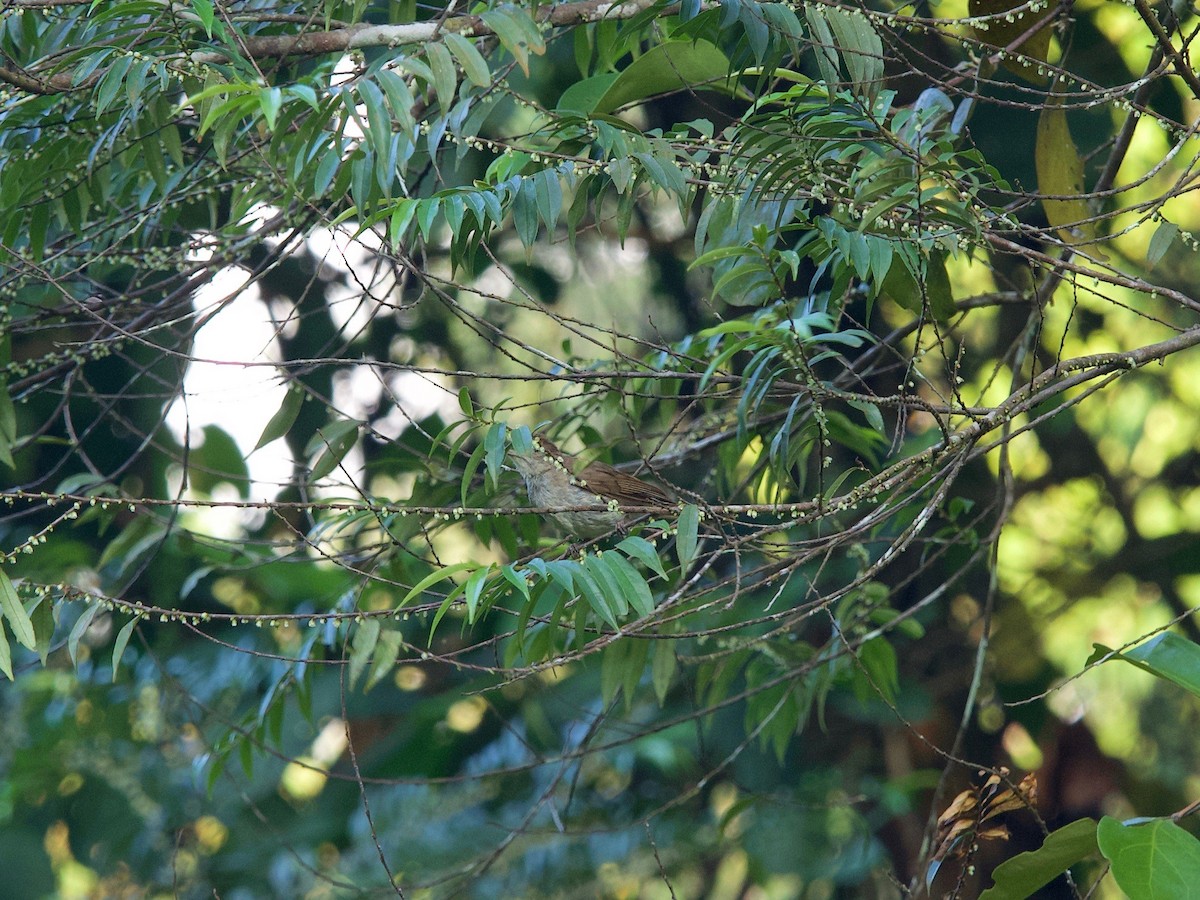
[(555, 480)]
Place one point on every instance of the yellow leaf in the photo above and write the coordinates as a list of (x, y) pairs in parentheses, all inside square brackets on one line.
[(1060, 175)]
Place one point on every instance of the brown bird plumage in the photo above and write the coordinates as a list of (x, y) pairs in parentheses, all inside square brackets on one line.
[(555, 479)]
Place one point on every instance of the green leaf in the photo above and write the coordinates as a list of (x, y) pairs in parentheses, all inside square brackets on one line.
[(473, 590), (111, 81), (1167, 655), (612, 667), (1025, 873), (861, 47), (824, 44), (871, 411), (582, 96), (8, 426), (598, 568), (469, 471), (493, 443), (633, 585), (685, 540), (433, 578), (594, 594), (878, 659), (337, 439), (548, 194), (525, 215), (120, 643), (205, 13), (444, 607), (386, 653), (472, 62), (78, 630), (1160, 243), (43, 626), (642, 550), (445, 80), (366, 635), (662, 669), (517, 33), (279, 424), (5, 653), (14, 611), (1157, 860), (270, 101), (938, 291), (670, 66)]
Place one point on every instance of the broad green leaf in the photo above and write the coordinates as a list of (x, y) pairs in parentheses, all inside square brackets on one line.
[(662, 669), (120, 643), (686, 539), (1160, 243), (434, 577), (596, 597), (903, 288), (582, 96), (445, 80), (473, 590), (78, 630), (111, 81), (670, 66), (860, 45), (633, 585), (824, 44), (386, 653), (205, 12), (1022, 875), (43, 626), (548, 193), (598, 567), (871, 412), (878, 659), (277, 426), (493, 443), (517, 33), (473, 64), (525, 215), (14, 611), (642, 550), (8, 425), (5, 653), (1167, 655), (1156, 860), (612, 667), (270, 101), (635, 667), (336, 440), (366, 635), (7, 417)]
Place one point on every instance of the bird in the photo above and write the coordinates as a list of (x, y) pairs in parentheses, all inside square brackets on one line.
[(555, 479)]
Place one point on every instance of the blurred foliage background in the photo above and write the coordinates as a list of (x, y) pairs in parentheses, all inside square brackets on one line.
[(895, 297)]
